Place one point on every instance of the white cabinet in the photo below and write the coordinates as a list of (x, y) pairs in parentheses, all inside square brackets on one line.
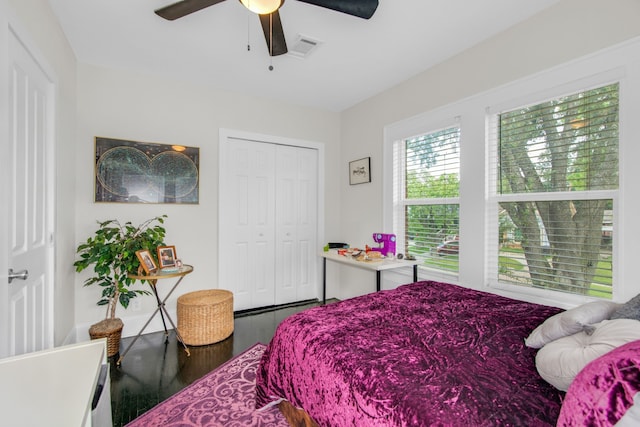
[(55, 387), (267, 222)]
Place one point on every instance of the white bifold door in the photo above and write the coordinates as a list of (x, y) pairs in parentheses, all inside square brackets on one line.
[(268, 222)]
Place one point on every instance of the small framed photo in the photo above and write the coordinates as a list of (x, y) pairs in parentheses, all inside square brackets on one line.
[(360, 171), (146, 261), (167, 256)]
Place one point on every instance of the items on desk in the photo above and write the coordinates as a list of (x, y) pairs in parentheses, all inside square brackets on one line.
[(335, 245), (386, 243), (386, 248)]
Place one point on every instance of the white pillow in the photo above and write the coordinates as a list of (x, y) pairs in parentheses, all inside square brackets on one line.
[(570, 322), (559, 361), (631, 418)]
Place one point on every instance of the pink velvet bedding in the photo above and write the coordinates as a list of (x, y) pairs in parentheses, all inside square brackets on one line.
[(424, 354)]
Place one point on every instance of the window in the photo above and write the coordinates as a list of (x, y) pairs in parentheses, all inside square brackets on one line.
[(426, 194), (555, 186)]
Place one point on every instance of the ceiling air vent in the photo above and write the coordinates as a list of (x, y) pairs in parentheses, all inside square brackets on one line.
[(303, 46)]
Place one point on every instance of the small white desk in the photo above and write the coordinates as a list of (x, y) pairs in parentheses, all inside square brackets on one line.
[(377, 266), (53, 387)]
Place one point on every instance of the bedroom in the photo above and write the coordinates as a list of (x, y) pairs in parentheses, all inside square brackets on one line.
[(95, 100)]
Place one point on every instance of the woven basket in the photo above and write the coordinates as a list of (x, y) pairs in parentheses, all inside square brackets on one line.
[(205, 317), (111, 329)]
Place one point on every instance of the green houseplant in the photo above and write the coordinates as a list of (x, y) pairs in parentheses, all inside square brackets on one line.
[(112, 253)]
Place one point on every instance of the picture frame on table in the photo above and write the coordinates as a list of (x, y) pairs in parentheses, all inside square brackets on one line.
[(146, 261), (360, 171), (167, 256)]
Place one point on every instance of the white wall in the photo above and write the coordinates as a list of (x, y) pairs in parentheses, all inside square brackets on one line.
[(569, 30), (122, 104), (39, 25), (126, 105)]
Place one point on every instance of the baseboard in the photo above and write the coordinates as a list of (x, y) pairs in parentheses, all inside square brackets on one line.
[(258, 310)]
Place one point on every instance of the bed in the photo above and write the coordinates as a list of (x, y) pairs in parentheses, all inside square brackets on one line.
[(426, 353)]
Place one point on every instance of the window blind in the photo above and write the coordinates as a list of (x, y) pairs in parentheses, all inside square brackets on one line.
[(566, 144), (426, 216), (555, 181), (432, 165)]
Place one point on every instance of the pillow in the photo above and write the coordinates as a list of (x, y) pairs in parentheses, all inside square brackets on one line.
[(570, 322), (631, 418), (628, 310), (561, 360), (605, 392)]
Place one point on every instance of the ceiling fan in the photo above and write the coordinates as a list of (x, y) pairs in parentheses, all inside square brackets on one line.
[(270, 21)]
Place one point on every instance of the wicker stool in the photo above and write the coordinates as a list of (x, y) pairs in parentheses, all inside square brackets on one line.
[(205, 317)]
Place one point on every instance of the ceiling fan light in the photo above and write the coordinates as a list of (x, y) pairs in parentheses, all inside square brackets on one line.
[(262, 7)]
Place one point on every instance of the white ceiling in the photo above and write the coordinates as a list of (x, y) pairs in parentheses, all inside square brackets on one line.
[(357, 59)]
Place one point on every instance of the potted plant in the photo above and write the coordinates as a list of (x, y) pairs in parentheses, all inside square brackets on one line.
[(112, 252)]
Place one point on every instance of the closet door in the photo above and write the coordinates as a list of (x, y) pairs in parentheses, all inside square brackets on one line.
[(296, 224), (247, 225)]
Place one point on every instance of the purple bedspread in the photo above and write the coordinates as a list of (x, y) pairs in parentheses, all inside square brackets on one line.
[(424, 354)]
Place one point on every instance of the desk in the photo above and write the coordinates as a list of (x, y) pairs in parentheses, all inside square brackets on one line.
[(152, 279), (377, 266), (55, 387)]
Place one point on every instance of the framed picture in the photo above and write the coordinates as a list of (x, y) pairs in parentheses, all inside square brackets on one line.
[(360, 171), (146, 261), (167, 256), (145, 172)]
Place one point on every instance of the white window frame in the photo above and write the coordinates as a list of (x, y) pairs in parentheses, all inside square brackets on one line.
[(620, 64), (493, 197), (400, 203), (394, 213)]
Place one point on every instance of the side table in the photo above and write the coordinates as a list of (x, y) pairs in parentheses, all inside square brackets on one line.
[(152, 280)]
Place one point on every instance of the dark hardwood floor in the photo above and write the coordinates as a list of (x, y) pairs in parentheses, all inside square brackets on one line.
[(153, 369)]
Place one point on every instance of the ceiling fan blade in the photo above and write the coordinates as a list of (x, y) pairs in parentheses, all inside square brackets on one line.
[(273, 33), (184, 7), (360, 8)]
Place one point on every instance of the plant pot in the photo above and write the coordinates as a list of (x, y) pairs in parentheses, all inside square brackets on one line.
[(111, 329)]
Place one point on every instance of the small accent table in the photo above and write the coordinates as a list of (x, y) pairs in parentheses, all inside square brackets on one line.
[(152, 279), (377, 266)]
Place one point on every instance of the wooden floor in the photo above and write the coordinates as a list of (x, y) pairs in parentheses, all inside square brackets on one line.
[(155, 368)]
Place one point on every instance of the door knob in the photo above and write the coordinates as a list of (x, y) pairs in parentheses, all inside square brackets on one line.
[(22, 275)]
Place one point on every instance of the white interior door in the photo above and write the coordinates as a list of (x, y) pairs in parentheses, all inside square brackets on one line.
[(27, 307), (296, 223)]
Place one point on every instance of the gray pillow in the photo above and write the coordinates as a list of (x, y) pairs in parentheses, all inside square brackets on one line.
[(628, 310), (570, 322)]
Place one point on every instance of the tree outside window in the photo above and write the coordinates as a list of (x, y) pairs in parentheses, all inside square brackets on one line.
[(557, 178)]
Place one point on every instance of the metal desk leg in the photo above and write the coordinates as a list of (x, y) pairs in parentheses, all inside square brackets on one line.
[(324, 281), (415, 273), (378, 273)]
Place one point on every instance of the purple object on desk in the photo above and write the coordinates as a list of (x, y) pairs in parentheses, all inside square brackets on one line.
[(387, 242)]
